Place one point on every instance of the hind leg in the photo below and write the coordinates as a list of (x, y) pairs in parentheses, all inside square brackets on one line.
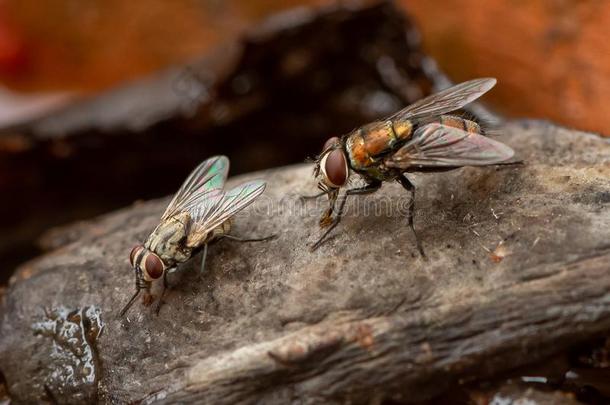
[(404, 181)]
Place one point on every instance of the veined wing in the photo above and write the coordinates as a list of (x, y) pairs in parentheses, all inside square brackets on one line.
[(211, 213), (204, 182), (447, 100), (436, 145)]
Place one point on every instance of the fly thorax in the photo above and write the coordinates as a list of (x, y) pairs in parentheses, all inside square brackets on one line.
[(356, 151), (368, 144), (179, 255), (168, 239), (378, 173)]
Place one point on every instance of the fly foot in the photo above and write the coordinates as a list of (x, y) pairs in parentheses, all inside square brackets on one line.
[(326, 219), (147, 299), (158, 306)]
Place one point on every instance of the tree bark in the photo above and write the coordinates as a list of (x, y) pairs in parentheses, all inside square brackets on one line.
[(518, 268)]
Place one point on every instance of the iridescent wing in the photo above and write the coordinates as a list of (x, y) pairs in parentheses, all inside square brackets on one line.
[(211, 213), (205, 182), (447, 100), (438, 146)]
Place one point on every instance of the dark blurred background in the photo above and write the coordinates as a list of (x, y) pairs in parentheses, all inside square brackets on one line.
[(106, 102)]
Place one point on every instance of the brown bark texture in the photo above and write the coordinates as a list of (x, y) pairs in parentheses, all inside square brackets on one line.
[(518, 268)]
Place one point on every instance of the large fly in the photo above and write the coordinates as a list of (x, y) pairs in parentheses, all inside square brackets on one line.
[(199, 213), (422, 137)]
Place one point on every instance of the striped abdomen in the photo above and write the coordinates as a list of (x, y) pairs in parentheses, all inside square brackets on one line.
[(367, 144)]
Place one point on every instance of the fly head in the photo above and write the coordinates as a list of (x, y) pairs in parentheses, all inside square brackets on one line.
[(147, 267), (331, 166)]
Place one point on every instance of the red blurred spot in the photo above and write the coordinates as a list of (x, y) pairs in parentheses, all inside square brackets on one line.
[(13, 53)]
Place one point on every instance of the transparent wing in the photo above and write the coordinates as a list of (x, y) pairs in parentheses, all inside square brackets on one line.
[(447, 100), (212, 212), (436, 145), (203, 182)]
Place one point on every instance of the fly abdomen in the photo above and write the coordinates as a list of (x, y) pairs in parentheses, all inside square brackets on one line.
[(220, 231), (460, 123)]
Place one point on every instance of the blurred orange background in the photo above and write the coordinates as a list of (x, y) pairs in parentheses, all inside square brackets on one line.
[(552, 57)]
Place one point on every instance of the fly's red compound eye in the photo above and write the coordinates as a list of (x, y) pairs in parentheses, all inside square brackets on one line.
[(153, 266), (330, 142), (132, 255), (335, 168)]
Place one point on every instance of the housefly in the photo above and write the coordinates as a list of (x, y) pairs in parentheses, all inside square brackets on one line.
[(199, 213), (422, 137)]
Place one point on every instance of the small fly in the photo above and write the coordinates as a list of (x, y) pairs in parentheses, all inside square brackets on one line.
[(199, 213), (422, 137)]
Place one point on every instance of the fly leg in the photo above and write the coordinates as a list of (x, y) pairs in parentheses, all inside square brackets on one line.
[(327, 217), (233, 238), (312, 197), (141, 284), (165, 287), (203, 257), (369, 188), (404, 181), (325, 220), (239, 239)]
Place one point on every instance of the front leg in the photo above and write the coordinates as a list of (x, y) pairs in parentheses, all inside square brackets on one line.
[(304, 198), (404, 181), (327, 218), (369, 188), (165, 287)]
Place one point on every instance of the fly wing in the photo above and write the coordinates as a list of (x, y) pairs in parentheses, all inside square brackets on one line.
[(213, 212), (447, 100), (438, 146), (206, 181)]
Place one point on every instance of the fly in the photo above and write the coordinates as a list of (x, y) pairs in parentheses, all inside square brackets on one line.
[(422, 137), (199, 214)]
